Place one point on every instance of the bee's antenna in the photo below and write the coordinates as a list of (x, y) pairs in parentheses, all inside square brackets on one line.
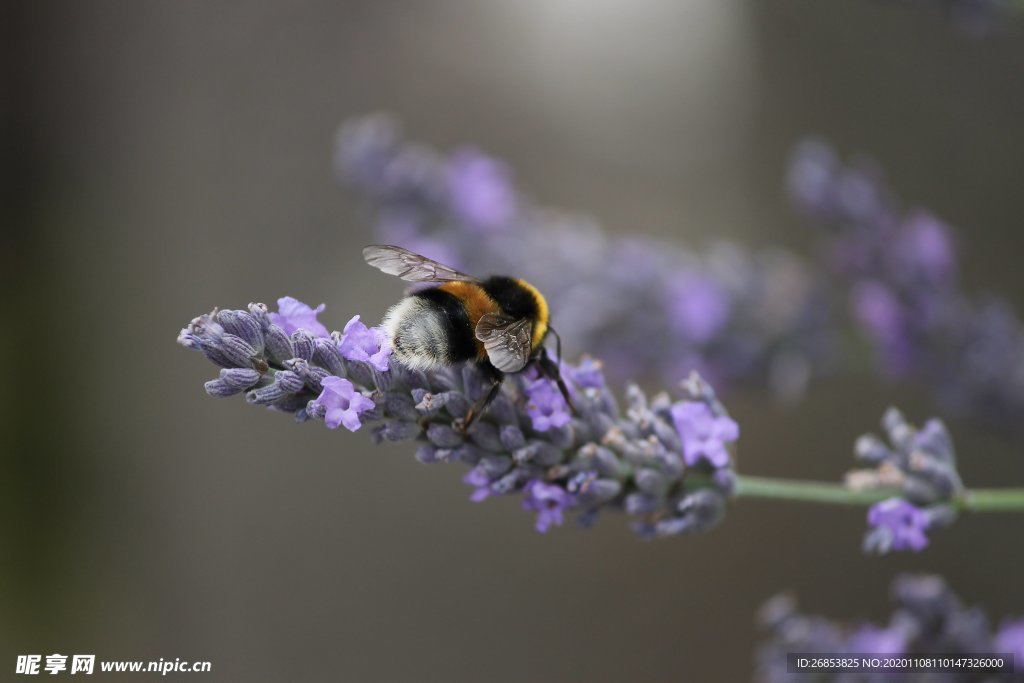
[(558, 346)]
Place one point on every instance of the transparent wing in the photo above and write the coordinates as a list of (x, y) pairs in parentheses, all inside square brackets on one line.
[(506, 340), (411, 267)]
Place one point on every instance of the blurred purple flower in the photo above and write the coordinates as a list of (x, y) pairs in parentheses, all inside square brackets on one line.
[(481, 190), (1010, 639), (859, 192), (610, 293), (546, 406), (897, 525), (367, 344), (703, 434), (810, 177), (699, 307), (292, 315), (902, 271), (880, 314), (928, 620), (878, 641), (588, 374), (925, 248), (342, 403), (877, 309), (547, 501)]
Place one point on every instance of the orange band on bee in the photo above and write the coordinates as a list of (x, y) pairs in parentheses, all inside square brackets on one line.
[(476, 302)]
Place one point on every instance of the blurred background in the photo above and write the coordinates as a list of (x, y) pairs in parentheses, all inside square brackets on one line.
[(166, 157)]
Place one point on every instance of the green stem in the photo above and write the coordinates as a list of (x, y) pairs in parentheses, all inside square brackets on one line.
[(808, 491), (978, 500), (991, 500)]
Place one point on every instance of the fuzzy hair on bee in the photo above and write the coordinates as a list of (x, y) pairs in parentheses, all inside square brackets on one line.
[(499, 323)]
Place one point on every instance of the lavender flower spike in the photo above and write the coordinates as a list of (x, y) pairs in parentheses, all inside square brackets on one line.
[(666, 462), (527, 442), (919, 467)]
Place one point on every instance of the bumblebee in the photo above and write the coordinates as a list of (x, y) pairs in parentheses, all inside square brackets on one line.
[(500, 323)]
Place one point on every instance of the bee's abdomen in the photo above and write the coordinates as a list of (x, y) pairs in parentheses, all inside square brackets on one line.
[(430, 329)]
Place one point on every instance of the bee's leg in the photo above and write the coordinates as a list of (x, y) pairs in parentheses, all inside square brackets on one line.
[(551, 371), (477, 409)]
